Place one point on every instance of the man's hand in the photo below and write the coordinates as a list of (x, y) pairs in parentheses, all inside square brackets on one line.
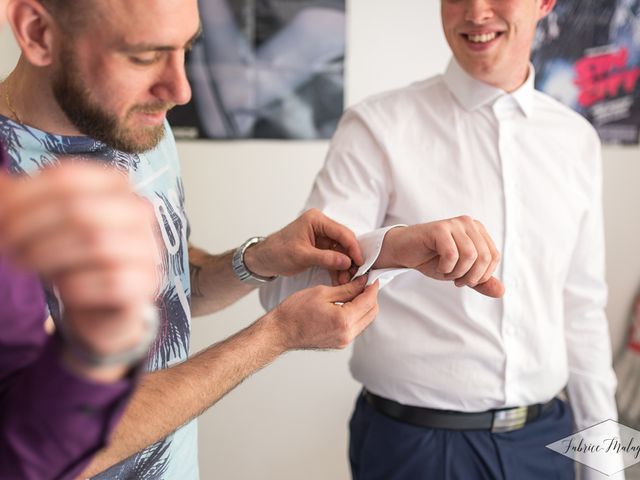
[(326, 317), (311, 240), (82, 229), (458, 249)]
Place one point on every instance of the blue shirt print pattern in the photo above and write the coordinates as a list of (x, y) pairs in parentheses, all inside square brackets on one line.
[(154, 175)]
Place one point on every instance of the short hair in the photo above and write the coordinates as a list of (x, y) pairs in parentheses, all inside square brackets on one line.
[(73, 14)]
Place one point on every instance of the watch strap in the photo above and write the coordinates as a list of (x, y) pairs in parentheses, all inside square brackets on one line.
[(240, 268)]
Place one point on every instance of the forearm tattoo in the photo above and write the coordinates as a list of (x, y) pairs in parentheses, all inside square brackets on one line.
[(194, 271)]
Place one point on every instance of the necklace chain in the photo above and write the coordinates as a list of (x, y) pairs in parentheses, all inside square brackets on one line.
[(9, 103)]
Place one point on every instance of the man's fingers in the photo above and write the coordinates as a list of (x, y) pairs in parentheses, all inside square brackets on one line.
[(366, 320), (346, 293), (482, 261), (67, 251), (85, 217), (361, 324), (341, 277), (491, 288), (495, 254), (107, 330), (467, 255), (329, 259), (447, 251), (345, 276), (324, 226), (106, 289), (67, 180), (72, 178), (365, 301)]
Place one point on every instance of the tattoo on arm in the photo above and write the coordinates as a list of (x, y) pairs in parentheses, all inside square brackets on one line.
[(195, 271)]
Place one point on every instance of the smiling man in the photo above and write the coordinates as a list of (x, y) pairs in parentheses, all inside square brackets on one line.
[(457, 385), (94, 82)]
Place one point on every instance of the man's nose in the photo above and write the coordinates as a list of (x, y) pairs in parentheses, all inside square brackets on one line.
[(478, 11), (173, 86)]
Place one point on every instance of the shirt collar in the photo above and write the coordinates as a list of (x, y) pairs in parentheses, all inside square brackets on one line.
[(473, 94)]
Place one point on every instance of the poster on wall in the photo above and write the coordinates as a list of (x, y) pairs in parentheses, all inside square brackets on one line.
[(265, 69), (587, 55)]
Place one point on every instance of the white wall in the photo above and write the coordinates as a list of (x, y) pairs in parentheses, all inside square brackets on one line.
[(288, 422)]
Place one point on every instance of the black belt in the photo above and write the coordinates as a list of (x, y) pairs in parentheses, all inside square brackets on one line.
[(501, 420)]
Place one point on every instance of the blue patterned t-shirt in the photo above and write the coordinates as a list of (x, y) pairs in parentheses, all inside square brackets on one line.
[(154, 175)]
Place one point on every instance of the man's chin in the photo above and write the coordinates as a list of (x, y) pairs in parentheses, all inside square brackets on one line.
[(139, 139)]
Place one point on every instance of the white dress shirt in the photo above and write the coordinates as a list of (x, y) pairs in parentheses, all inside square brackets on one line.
[(529, 169)]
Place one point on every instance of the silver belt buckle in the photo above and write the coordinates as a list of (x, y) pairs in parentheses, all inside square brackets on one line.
[(508, 420)]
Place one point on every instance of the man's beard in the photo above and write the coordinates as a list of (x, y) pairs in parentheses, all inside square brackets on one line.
[(75, 100)]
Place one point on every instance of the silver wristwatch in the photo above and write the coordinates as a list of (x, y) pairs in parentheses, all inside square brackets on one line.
[(240, 268)]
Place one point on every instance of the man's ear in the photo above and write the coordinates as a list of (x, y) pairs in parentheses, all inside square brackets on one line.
[(545, 8), (33, 28)]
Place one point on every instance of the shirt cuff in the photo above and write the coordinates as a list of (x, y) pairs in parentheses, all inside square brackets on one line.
[(371, 245)]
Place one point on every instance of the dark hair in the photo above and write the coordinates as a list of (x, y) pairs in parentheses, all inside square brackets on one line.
[(71, 14)]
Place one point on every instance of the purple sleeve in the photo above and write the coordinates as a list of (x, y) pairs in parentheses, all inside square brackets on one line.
[(51, 421)]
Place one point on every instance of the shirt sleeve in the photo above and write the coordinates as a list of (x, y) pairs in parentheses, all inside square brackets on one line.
[(592, 382), (51, 421), (352, 188)]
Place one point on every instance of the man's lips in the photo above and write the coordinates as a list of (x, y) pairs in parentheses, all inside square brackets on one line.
[(156, 117), (153, 114)]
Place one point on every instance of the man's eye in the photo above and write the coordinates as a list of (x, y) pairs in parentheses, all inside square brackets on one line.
[(144, 60)]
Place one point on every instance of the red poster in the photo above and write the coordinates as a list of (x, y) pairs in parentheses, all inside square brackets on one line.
[(587, 55)]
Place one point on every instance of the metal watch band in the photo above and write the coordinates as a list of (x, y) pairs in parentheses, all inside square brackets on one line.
[(240, 268)]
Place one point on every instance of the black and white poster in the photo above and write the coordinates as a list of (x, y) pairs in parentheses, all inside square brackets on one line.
[(265, 69), (587, 55)]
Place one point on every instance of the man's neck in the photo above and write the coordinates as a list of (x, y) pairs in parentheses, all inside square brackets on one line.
[(517, 82), (27, 97)]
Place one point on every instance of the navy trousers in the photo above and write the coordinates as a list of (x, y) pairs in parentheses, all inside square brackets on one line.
[(382, 448)]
